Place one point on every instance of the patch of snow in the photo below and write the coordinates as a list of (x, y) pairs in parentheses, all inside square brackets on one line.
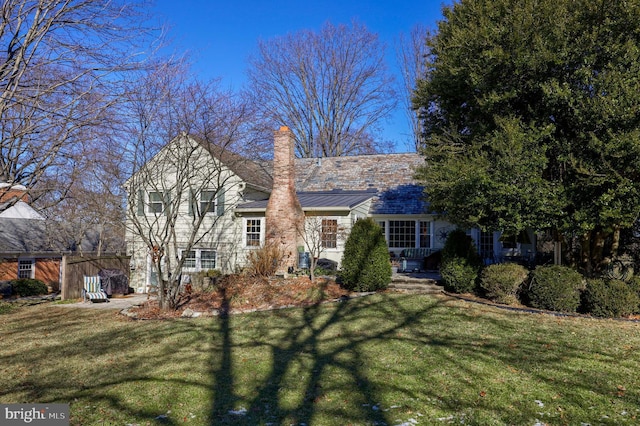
[(410, 422), (241, 412)]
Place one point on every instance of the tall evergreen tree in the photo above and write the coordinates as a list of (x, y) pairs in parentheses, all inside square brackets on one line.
[(531, 117)]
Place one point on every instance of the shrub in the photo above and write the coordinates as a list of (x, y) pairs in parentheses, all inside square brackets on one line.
[(29, 287), (555, 287), (610, 298), (458, 276), (459, 245), (634, 284), (365, 262), (263, 262), (501, 282), (205, 281)]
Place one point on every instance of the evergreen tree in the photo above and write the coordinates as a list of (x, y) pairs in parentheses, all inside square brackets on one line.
[(531, 117), (365, 262)]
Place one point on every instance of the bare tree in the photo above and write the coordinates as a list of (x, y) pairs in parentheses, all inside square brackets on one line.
[(89, 216), (331, 88), (412, 53), (180, 193), (64, 66), (318, 234)]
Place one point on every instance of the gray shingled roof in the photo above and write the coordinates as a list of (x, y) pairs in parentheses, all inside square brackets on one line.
[(319, 200), (37, 236), (389, 176), (252, 172), (392, 175), (24, 236)]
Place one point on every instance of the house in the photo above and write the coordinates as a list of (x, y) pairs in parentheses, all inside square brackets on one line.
[(30, 245), (238, 205), (26, 249)]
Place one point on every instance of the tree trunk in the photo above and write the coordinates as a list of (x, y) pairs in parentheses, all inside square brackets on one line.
[(557, 248), (597, 251), (615, 243), (585, 252)]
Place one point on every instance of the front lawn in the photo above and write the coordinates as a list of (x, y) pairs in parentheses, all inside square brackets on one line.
[(384, 359)]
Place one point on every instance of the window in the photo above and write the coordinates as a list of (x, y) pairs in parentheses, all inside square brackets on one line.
[(26, 268), (156, 202), (402, 233), (207, 259), (208, 201), (189, 259), (253, 232), (425, 234), (198, 260), (486, 245), (329, 233)]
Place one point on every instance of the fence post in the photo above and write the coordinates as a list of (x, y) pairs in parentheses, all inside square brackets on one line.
[(63, 278)]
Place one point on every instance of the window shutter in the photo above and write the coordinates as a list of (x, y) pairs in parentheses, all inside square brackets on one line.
[(220, 202), (167, 203), (192, 201), (140, 202)]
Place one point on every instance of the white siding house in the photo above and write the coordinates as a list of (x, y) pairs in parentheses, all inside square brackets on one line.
[(208, 206)]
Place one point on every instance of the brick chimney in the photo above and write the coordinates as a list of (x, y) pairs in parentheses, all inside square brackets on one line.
[(284, 216)]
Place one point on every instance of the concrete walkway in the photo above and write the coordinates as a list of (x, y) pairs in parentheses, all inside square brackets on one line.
[(119, 303)]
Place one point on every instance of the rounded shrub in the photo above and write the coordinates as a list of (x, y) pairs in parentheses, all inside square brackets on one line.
[(29, 287), (458, 276), (610, 298), (555, 288), (460, 245), (502, 281), (365, 262)]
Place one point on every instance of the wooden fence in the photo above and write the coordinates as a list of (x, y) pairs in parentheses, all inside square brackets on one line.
[(74, 268)]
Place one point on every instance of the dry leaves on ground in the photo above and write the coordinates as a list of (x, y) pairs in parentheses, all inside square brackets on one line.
[(237, 293)]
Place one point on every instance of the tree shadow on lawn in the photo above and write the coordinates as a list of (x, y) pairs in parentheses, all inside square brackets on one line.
[(309, 342), (84, 357), (309, 348), (292, 366)]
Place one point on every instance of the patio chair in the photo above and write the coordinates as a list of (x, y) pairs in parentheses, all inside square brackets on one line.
[(92, 290)]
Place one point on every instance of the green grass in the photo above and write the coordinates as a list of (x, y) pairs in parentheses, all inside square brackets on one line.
[(383, 359), (6, 307)]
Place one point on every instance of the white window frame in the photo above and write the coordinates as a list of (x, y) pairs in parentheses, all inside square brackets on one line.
[(334, 233), (151, 203), (208, 206), (429, 224), (197, 265), (32, 268), (245, 224), (397, 243), (202, 259), (417, 224)]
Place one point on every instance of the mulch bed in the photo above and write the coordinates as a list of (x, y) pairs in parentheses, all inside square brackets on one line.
[(240, 293)]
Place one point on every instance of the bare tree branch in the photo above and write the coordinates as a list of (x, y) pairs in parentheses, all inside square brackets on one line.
[(65, 67), (412, 52), (331, 88)]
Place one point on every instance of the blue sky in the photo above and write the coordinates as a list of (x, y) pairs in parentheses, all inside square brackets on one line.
[(220, 35)]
